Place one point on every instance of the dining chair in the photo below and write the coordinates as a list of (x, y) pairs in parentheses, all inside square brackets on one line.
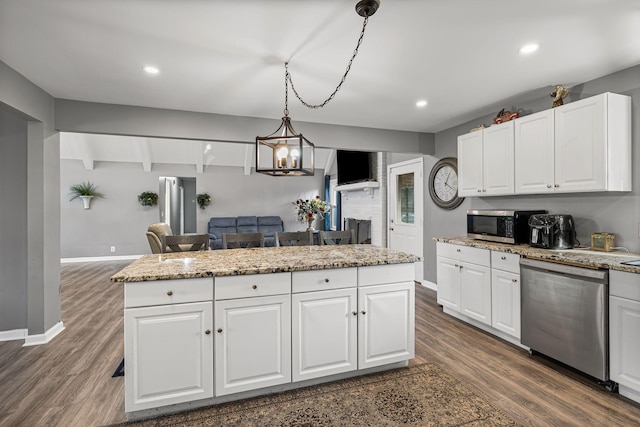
[(242, 240), (155, 233), (184, 243), (294, 238), (347, 237)]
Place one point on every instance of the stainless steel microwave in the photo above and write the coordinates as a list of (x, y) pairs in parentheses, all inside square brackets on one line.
[(503, 226)]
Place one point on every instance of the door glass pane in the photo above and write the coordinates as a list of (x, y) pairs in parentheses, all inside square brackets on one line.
[(405, 199)]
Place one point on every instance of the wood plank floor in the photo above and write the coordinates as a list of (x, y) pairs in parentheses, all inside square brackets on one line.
[(68, 381)]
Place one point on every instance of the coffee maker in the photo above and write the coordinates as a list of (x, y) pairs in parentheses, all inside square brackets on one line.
[(551, 231)]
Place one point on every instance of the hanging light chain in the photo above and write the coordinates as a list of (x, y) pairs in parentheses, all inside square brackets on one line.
[(287, 76)]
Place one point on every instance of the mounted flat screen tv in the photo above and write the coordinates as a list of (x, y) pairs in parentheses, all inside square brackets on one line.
[(353, 166)]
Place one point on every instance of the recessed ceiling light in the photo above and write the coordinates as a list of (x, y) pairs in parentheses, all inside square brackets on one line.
[(529, 48), (151, 69), (421, 103)]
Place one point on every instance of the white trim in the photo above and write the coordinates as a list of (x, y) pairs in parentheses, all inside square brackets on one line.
[(358, 186), (429, 285), (44, 338), (419, 159), (13, 334), (99, 258)]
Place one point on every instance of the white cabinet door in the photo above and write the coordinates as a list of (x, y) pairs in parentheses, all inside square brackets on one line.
[(386, 328), (581, 146), (505, 302), (253, 343), (169, 355), (470, 164), (475, 292), (624, 341), (324, 333), (448, 276), (534, 153), (498, 161)]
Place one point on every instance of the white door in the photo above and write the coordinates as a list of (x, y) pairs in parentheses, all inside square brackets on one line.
[(169, 354), (625, 346), (470, 173), (253, 343), (534, 153), (497, 155), (581, 146), (505, 302), (324, 333), (386, 328), (448, 272), (475, 292), (405, 209)]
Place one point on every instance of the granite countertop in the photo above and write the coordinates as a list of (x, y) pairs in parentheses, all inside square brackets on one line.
[(233, 262), (579, 257)]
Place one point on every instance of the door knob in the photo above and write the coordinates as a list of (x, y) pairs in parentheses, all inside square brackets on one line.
[(391, 228), (254, 287), (208, 331), (169, 293), (355, 313), (219, 330), (363, 312)]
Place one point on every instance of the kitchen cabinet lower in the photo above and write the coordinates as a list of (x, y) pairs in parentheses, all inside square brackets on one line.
[(169, 354), (505, 302), (624, 330), (386, 324), (253, 343), (324, 333)]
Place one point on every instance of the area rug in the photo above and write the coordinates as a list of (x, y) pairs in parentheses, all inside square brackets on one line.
[(422, 395)]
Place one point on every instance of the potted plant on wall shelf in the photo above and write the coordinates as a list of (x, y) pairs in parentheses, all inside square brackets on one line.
[(148, 198), (85, 191), (203, 200)]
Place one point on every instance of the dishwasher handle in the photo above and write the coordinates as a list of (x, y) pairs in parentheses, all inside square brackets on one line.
[(600, 275)]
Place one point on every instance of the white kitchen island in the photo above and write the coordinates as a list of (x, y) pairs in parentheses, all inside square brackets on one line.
[(208, 327)]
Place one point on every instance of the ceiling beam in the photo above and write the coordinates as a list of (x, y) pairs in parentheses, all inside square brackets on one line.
[(84, 150), (248, 159), (144, 149), (198, 156), (331, 157)]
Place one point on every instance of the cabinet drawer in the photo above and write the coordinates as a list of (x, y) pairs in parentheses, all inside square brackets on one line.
[(464, 253), (322, 280), (624, 284), (505, 261), (389, 273), (161, 292), (254, 285)]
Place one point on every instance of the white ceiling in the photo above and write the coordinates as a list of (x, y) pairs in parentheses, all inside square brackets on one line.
[(227, 56)]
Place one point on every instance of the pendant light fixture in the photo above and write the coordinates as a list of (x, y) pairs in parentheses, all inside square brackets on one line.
[(286, 152)]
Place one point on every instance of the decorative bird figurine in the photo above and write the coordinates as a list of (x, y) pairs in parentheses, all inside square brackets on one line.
[(558, 95)]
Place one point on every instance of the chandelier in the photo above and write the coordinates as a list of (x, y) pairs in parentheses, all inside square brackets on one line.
[(286, 152)]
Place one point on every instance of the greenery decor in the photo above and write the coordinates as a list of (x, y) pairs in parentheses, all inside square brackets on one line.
[(148, 198), (203, 200), (86, 189)]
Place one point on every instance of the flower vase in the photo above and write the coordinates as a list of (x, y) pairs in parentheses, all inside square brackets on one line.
[(310, 224)]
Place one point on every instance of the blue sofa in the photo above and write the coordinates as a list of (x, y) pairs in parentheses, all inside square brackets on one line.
[(244, 224)]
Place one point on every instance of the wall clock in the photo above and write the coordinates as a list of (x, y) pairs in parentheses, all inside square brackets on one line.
[(443, 183)]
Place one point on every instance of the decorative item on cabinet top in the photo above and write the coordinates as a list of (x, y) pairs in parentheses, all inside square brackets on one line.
[(505, 116), (559, 95)]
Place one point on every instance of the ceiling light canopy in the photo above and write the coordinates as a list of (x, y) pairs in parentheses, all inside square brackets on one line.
[(421, 103), (285, 152), (529, 48)]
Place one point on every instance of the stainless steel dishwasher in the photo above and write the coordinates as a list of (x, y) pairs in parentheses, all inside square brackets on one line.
[(565, 314)]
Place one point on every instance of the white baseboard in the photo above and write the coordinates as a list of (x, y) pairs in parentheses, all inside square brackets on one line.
[(44, 338), (14, 334), (100, 258), (429, 285)]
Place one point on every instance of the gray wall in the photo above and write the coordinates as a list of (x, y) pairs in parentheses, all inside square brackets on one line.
[(120, 221), (610, 212), (40, 177), (13, 221)]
